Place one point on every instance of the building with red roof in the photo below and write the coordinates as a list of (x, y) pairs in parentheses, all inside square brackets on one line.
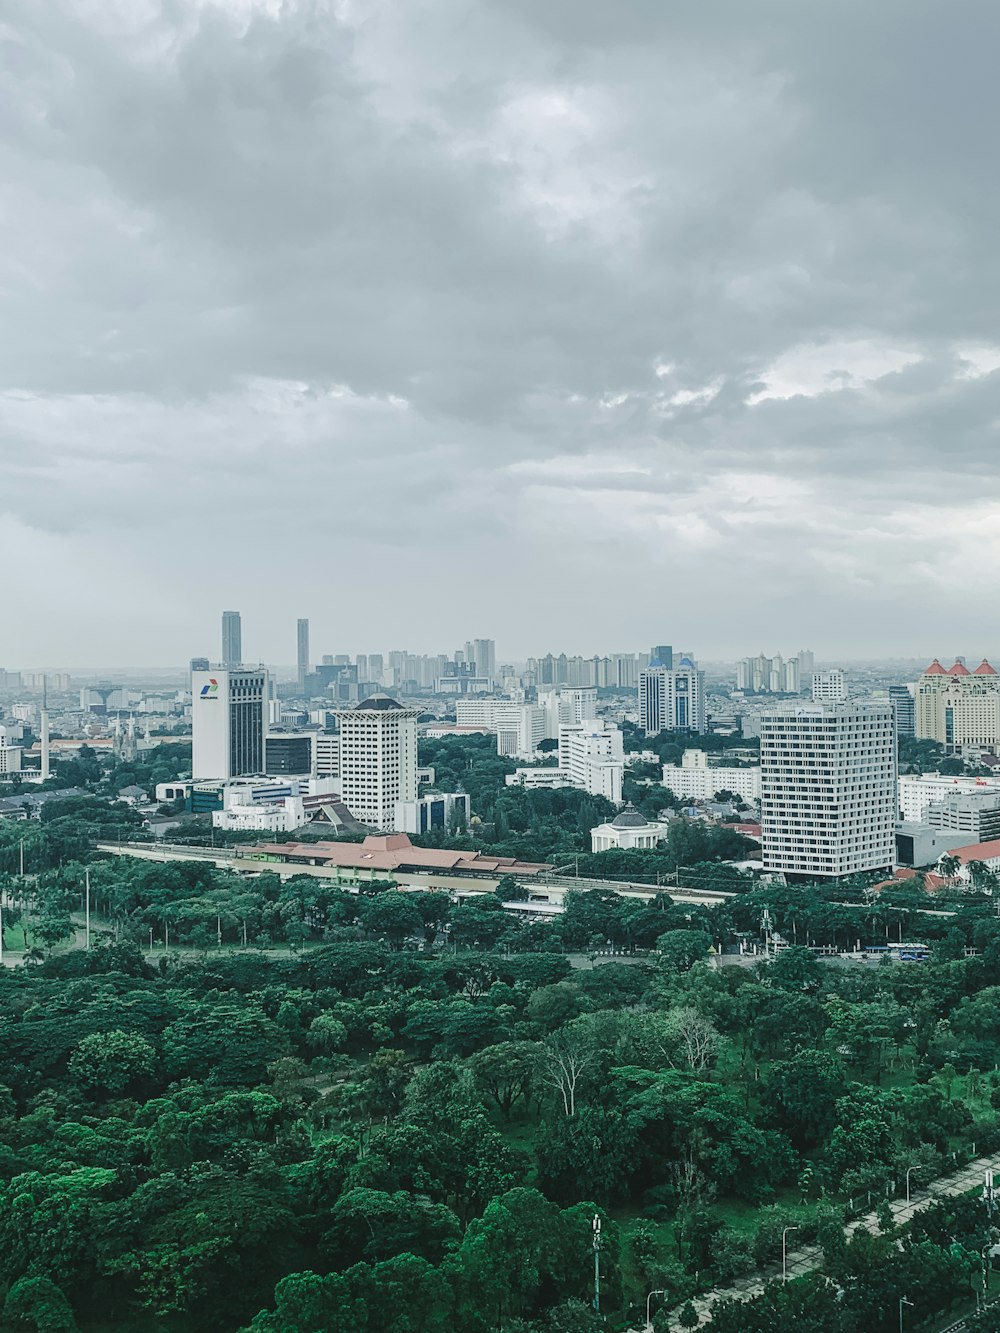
[(958, 707)]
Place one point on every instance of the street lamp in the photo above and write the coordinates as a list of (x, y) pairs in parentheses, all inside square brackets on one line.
[(660, 1291), (903, 1301), (908, 1170), (784, 1252)]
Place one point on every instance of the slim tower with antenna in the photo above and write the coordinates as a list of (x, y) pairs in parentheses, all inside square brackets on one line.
[(45, 729)]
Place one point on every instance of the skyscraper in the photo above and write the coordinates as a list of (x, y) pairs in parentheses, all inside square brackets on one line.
[(232, 638), (672, 699), (378, 759), (484, 653), (227, 722), (904, 708), (303, 652), (828, 789), (662, 654)]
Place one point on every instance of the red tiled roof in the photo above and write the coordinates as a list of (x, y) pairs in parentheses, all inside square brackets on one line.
[(984, 669), (977, 851), (959, 669), (935, 669), (392, 851)]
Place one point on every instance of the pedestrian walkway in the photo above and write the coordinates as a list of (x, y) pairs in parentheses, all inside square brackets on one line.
[(809, 1257)]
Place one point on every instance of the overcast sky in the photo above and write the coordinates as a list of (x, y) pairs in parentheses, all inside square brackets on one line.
[(575, 324)]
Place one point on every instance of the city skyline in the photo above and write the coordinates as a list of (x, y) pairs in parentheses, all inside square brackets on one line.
[(660, 319)]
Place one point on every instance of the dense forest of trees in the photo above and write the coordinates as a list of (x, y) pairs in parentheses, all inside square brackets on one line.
[(304, 1108)]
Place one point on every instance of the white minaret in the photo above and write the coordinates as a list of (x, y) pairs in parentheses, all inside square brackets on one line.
[(45, 730)]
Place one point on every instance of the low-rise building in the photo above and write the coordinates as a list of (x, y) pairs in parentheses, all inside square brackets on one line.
[(628, 830), (436, 810), (695, 778)]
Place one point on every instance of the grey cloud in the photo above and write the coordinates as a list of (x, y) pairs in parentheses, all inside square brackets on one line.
[(323, 277)]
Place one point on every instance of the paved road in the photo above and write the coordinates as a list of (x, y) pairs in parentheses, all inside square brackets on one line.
[(809, 1257)]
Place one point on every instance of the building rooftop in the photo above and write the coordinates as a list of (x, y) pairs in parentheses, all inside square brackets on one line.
[(935, 669), (984, 669), (629, 818), (393, 851), (381, 703), (959, 669), (977, 851)]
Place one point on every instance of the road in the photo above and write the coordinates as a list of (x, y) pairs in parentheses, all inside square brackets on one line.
[(807, 1258)]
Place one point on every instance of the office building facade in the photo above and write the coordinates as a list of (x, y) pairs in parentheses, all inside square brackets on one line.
[(672, 699), (228, 708), (904, 710), (959, 707), (828, 790), (378, 759)]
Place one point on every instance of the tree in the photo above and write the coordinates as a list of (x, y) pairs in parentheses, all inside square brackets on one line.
[(111, 1061), (38, 1302), (681, 949), (688, 1317), (391, 914), (503, 1073), (562, 1063)]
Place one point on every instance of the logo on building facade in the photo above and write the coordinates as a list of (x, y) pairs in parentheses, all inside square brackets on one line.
[(210, 690)]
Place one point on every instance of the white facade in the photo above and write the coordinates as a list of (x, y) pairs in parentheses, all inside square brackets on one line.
[(768, 675), (958, 707), (228, 721), (672, 700), (918, 790), (378, 760), (828, 789), (10, 758), (695, 779), (829, 687), (278, 817), (565, 706), (519, 727), (592, 755), (326, 751), (626, 831), (435, 810)]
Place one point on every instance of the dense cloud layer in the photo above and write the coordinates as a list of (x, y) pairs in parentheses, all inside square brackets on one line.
[(579, 325)]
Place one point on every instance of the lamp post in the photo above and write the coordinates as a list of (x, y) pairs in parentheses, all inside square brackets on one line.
[(903, 1301), (908, 1170), (660, 1291), (784, 1252), (597, 1263)]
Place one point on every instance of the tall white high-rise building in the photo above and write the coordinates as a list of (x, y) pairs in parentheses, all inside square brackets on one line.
[(232, 638), (672, 699), (228, 726), (378, 759), (591, 754), (828, 789)]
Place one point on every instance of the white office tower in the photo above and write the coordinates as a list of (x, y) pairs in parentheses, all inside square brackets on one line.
[(228, 722), (828, 789), (378, 759), (567, 705), (592, 756), (829, 687), (672, 699)]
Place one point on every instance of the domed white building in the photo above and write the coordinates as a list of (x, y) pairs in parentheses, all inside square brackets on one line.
[(628, 829)]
